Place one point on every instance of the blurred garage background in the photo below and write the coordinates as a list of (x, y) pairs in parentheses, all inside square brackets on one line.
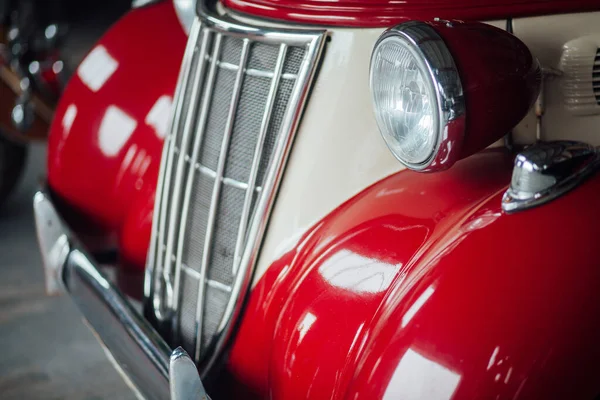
[(46, 351)]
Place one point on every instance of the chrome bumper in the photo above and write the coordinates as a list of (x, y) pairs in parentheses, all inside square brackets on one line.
[(138, 350)]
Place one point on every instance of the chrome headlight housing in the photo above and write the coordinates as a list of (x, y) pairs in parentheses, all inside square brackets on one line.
[(417, 96)]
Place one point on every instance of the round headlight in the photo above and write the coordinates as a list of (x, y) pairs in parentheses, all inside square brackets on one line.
[(416, 94)]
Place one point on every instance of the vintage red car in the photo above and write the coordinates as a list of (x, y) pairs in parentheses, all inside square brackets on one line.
[(282, 249)]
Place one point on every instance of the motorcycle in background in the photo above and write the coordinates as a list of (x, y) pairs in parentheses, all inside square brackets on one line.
[(41, 44)]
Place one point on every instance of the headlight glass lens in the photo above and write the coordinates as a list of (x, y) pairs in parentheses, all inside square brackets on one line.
[(405, 101)]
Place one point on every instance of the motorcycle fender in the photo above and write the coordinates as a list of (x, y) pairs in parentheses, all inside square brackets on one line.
[(421, 287), (106, 139)]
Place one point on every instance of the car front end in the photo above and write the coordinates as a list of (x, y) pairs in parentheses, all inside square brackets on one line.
[(228, 157)]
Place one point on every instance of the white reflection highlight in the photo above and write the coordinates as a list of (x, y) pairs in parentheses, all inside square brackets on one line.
[(159, 114), (126, 163), (493, 358), (304, 327), (115, 129), (140, 3), (348, 270), (96, 68), (416, 306), (68, 119), (417, 377)]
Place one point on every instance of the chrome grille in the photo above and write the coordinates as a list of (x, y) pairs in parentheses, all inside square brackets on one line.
[(238, 100)]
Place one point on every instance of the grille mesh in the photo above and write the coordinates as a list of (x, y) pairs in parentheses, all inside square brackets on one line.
[(213, 175)]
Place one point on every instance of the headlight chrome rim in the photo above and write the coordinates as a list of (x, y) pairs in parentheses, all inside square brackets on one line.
[(423, 41)]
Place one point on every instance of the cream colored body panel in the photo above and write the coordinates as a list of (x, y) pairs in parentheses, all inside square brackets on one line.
[(338, 150)]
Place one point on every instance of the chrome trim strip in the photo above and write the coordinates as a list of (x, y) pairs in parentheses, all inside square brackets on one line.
[(195, 152), (254, 72), (212, 283), (164, 182), (240, 242), (213, 174), (218, 285), (176, 199), (214, 202), (136, 347)]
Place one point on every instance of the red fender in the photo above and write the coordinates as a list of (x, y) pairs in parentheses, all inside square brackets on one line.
[(421, 287), (106, 138)]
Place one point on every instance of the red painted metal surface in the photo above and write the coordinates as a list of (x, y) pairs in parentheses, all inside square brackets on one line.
[(500, 80), (106, 139), (383, 13), (420, 287)]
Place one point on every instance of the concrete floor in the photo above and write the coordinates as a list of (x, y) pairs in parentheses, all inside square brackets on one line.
[(46, 351)]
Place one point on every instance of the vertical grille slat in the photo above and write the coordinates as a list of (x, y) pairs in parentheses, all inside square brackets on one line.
[(216, 192), (239, 97), (266, 119), (200, 129), (202, 121), (186, 135), (161, 201)]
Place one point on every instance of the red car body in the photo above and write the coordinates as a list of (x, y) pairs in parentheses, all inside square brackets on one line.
[(418, 287)]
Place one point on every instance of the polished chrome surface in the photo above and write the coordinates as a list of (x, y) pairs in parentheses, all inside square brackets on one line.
[(260, 143), (137, 348), (202, 119), (185, 383), (444, 76), (216, 192), (239, 97), (547, 170), (53, 241), (155, 255), (181, 163)]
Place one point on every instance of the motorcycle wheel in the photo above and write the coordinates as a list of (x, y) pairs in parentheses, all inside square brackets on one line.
[(12, 163)]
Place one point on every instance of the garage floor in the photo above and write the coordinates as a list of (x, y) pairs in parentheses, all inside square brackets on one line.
[(46, 352)]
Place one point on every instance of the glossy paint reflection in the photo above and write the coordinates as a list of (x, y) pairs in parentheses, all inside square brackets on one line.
[(106, 140), (478, 304), (351, 271), (417, 377), (115, 130), (158, 117), (68, 118), (416, 306), (96, 68)]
